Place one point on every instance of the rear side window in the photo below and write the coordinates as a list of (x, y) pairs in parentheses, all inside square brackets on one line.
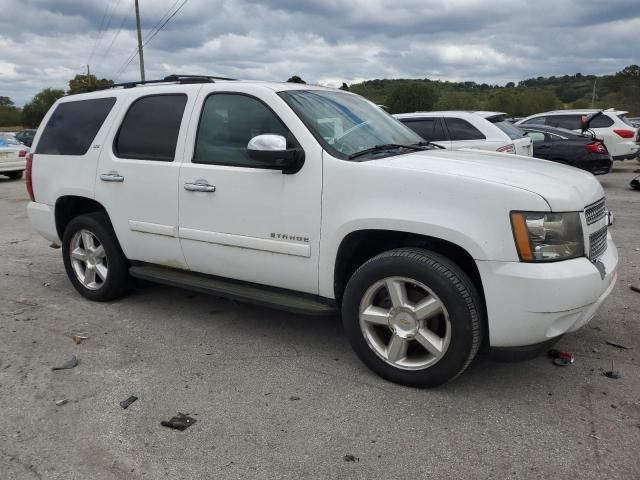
[(150, 128), (570, 122), (428, 128), (73, 125), (460, 129), (601, 121)]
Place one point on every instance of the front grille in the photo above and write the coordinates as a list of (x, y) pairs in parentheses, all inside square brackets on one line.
[(597, 243), (595, 211)]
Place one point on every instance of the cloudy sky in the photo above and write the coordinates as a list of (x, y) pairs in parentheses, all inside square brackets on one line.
[(44, 43)]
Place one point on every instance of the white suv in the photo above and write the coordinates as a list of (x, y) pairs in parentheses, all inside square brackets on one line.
[(620, 136), (316, 201), (460, 129)]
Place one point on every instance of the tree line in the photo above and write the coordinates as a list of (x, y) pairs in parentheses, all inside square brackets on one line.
[(621, 91), (33, 112)]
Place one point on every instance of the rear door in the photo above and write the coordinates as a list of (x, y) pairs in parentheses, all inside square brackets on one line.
[(429, 128), (137, 177)]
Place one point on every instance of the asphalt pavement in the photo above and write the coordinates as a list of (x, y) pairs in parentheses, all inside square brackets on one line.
[(278, 395)]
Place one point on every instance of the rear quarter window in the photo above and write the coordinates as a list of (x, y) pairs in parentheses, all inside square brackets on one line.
[(72, 126), (601, 121), (460, 129)]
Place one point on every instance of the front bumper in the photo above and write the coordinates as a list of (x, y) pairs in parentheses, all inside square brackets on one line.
[(532, 303)]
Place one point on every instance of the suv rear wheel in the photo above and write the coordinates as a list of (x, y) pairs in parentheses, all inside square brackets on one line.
[(413, 317), (14, 175), (93, 259)]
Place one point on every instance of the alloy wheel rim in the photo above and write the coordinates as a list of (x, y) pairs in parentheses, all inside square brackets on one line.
[(88, 259), (405, 323)]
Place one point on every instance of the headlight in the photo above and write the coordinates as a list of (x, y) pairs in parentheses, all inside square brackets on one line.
[(545, 237)]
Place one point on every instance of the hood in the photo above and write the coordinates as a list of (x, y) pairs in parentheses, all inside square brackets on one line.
[(564, 188)]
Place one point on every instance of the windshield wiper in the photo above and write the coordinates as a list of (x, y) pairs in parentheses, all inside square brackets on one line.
[(430, 144), (382, 147)]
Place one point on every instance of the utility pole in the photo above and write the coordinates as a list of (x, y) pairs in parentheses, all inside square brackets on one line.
[(593, 94), (140, 54), (88, 70)]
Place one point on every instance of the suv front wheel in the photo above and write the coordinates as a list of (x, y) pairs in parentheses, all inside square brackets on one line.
[(413, 317), (93, 259)]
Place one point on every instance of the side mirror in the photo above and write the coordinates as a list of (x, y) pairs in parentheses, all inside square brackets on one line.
[(272, 151)]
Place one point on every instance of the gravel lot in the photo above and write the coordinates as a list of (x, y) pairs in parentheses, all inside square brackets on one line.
[(278, 395)]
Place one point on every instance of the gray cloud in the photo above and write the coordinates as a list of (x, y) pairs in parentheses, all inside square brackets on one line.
[(44, 43)]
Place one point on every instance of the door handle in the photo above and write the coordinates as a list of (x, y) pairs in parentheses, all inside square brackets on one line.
[(199, 185), (112, 176)]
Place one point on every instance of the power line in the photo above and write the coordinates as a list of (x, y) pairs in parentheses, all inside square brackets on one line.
[(95, 43), (150, 36), (104, 55), (103, 31), (133, 54)]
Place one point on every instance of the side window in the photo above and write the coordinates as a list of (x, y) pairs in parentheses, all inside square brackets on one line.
[(227, 123), (460, 129), (73, 125), (423, 127), (570, 122), (536, 121), (150, 128), (536, 137), (601, 121)]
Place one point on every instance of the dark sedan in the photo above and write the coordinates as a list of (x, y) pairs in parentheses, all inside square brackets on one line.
[(571, 148), (26, 137)]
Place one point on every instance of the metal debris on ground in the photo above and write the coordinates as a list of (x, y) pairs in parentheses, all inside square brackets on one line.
[(560, 358), (179, 422), (635, 288), (125, 403), (59, 403), (79, 338), (351, 458), (611, 374), (617, 345), (71, 363)]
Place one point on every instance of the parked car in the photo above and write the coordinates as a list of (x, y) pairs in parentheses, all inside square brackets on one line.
[(26, 136), (568, 147), (316, 201), (12, 156), (618, 133), (479, 130)]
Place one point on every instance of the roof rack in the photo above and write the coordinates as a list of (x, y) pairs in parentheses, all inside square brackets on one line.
[(183, 79)]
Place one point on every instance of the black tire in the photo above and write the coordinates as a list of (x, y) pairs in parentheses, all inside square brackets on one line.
[(14, 175), (453, 288), (117, 280)]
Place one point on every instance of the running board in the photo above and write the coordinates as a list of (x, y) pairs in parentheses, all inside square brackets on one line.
[(242, 291)]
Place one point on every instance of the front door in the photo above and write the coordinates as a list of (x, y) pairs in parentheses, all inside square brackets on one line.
[(238, 220), (137, 176)]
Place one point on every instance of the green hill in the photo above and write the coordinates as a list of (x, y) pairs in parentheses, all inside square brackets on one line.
[(620, 90)]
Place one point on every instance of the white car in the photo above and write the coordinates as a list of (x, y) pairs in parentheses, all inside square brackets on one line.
[(12, 156), (316, 201), (459, 129), (620, 136)]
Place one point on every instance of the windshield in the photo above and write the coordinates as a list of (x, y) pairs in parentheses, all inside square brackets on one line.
[(346, 124), (510, 129), (624, 118)]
